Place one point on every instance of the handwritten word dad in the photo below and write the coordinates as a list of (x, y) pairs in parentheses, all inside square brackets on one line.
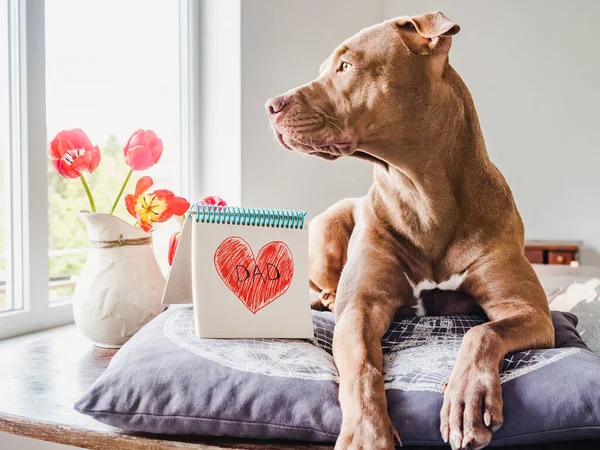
[(243, 274)]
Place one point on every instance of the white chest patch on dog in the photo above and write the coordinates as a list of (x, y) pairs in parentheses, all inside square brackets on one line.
[(451, 284)]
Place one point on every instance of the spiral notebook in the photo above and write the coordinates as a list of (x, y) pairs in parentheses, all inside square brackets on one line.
[(246, 272)]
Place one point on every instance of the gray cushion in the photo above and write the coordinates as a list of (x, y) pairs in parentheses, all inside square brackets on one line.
[(165, 380)]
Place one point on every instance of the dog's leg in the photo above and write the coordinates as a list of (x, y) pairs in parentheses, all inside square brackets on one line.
[(508, 290), (370, 292), (329, 234)]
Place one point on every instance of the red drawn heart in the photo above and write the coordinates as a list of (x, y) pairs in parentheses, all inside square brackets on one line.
[(258, 281)]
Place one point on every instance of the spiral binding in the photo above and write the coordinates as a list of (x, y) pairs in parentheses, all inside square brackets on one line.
[(261, 217)]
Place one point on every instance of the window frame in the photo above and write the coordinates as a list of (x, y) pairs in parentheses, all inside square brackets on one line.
[(28, 230), (28, 272)]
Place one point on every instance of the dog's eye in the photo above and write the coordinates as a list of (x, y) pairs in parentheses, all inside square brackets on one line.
[(344, 66)]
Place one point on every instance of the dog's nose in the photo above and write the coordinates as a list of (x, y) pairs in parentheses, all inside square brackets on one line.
[(275, 105)]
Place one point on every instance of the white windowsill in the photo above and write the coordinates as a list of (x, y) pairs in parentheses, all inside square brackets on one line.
[(16, 323)]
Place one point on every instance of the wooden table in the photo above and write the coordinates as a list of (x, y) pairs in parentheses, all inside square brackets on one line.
[(41, 376)]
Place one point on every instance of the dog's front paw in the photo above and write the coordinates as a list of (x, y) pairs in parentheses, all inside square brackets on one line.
[(472, 408), (368, 434)]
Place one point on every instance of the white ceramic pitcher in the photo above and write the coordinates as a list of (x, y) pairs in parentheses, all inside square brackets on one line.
[(120, 286)]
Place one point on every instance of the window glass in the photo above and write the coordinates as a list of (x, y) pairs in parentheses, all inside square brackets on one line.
[(112, 67)]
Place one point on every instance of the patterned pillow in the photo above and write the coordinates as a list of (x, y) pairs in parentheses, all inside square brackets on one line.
[(165, 380)]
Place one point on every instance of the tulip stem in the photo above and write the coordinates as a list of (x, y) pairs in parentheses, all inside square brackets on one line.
[(114, 206), (89, 193)]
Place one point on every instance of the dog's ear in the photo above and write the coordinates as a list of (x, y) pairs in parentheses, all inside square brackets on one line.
[(428, 33)]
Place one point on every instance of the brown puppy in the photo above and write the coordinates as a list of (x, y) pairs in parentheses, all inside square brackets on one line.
[(439, 218)]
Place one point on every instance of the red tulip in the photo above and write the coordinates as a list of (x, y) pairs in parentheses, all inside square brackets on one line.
[(72, 152), (212, 200), (143, 150), (173, 243), (157, 206)]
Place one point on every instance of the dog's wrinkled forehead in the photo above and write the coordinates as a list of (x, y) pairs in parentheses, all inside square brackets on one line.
[(421, 34), (369, 43)]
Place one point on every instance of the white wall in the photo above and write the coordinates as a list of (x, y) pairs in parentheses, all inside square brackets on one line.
[(533, 68), (283, 44)]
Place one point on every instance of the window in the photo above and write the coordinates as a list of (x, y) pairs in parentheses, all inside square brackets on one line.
[(5, 293), (109, 70), (120, 74)]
